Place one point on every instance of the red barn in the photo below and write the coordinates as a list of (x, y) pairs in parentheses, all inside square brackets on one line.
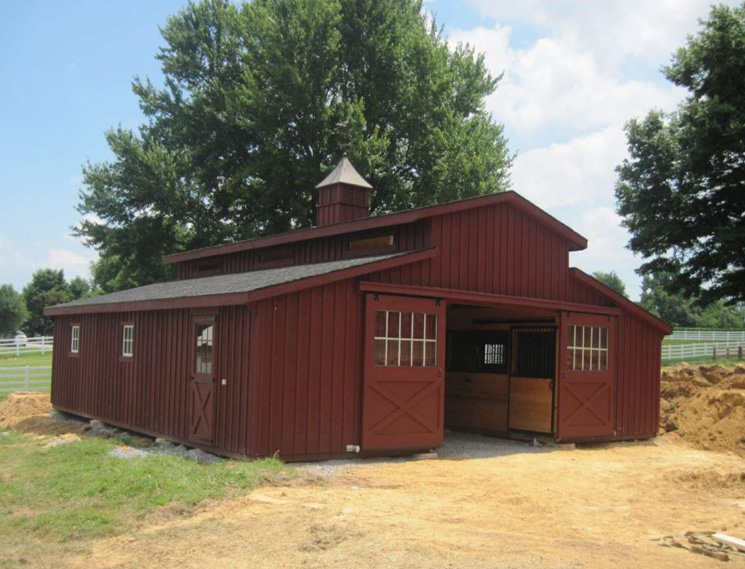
[(368, 335)]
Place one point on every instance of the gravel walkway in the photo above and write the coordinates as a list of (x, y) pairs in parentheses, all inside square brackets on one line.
[(461, 445)]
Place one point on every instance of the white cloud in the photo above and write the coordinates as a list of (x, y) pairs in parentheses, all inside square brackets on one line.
[(612, 30), (554, 84), (74, 264), (580, 171)]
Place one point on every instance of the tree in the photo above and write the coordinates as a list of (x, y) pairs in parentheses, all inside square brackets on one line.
[(47, 287), (611, 280), (680, 311), (12, 310), (681, 190), (259, 103), (77, 288)]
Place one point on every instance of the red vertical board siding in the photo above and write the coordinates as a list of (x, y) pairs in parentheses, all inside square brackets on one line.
[(293, 364), (310, 403), (149, 393), (638, 388)]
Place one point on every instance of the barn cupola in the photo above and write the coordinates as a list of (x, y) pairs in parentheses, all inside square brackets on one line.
[(343, 195)]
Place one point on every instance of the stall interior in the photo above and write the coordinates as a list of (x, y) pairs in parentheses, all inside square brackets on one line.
[(501, 370)]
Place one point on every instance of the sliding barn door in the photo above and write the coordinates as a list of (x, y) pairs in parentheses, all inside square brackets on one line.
[(404, 387), (587, 383)]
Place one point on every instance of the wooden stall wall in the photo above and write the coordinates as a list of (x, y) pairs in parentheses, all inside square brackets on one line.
[(638, 385), (407, 237), (309, 372), (149, 392), (496, 249)]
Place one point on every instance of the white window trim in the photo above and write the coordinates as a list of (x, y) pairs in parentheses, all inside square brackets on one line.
[(578, 351), (75, 339), (128, 342), (427, 343)]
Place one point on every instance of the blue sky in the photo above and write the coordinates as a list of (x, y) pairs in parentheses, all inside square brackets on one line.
[(574, 72)]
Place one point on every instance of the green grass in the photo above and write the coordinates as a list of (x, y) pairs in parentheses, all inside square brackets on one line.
[(703, 361), (34, 359), (27, 359), (76, 491)]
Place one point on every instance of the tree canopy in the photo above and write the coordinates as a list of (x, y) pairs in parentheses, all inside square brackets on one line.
[(612, 280), (12, 310), (680, 311), (260, 100), (48, 287), (682, 190)]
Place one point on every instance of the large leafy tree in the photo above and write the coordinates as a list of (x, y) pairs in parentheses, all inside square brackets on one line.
[(12, 310), (611, 280), (680, 311), (258, 103), (682, 191), (46, 288)]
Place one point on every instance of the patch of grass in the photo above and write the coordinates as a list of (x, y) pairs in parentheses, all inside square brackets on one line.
[(26, 359), (76, 491), (703, 361), (42, 379)]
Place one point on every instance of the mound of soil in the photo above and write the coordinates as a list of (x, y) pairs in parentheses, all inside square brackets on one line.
[(30, 412), (19, 406), (705, 405)]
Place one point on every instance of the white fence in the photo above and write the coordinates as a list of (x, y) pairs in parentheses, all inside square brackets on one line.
[(28, 378), (42, 345), (712, 350), (708, 335)]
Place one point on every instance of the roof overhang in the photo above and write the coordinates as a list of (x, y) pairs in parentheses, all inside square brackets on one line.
[(575, 240), (483, 298), (620, 300), (238, 298)]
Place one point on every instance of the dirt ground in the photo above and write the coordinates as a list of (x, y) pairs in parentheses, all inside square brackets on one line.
[(599, 507), (484, 503), (705, 406)]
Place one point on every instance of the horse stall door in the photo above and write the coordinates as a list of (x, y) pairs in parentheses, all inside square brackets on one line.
[(404, 387), (587, 382), (202, 380)]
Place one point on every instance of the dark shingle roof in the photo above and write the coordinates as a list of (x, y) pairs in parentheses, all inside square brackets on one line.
[(225, 284)]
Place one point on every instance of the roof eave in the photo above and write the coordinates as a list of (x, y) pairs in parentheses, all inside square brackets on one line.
[(621, 300), (576, 241), (231, 299)]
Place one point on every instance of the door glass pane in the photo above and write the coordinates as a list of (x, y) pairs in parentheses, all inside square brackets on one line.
[(203, 363), (406, 352), (419, 326), (392, 358), (406, 324), (418, 357), (393, 323), (430, 353), (430, 329), (380, 352), (380, 323), (603, 360)]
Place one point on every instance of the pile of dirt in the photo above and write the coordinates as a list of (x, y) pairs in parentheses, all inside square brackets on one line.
[(705, 405), (19, 406), (30, 412)]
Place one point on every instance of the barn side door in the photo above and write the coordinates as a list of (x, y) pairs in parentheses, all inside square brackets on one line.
[(404, 386), (202, 379), (587, 383)]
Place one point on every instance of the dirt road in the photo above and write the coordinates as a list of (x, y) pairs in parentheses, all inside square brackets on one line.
[(596, 508)]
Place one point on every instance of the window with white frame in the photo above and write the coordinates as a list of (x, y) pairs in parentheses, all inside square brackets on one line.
[(128, 340), (75, 339), (587, 348), (405, 338)]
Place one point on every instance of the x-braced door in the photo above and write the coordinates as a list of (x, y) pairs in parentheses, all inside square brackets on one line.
[(202, 379), (404, 387), (587, 383)]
